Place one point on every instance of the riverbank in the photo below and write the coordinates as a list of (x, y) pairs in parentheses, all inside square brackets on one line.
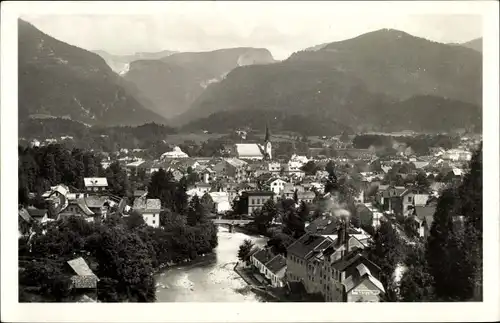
[(210, 278)]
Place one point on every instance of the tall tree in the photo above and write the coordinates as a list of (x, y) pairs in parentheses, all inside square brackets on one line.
[(244, 250), (385, 251), (416, 284)]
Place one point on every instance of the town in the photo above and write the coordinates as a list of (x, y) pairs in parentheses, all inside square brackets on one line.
[(342, 223)]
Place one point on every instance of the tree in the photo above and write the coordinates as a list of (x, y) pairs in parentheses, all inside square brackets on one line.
[(196, 211), (410, 227), (310, 168), (422, 182), (331, 183), (280, 241), (296, 196), (266, 215), (208, 202), (416, 283), (244, 250), (134, 220), (355, 220), (385, 251)]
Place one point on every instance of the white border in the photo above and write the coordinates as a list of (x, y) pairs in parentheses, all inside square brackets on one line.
[(253, 312)]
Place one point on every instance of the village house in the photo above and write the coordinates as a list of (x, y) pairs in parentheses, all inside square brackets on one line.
[(305, 196), (424, 216), (354, 278), (77, 207), (176, 153), (221, 200), (83, 280), (254, 200), (39, 215), (98, 206), (274, 168), (149, 209), (276, 185), (272, 266), (235, 168), (95, 185)]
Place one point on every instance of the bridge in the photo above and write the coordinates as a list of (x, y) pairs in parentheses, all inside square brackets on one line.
[(231, 223)]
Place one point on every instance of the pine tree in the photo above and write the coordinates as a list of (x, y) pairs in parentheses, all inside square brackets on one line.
[(196, 212)]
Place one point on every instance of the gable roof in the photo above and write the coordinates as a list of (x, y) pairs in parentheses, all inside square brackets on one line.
[(264, 256), (95, 181), (276, 264), (80, 267), (249, 150), (306, 244), (94, 201), (425, 213)]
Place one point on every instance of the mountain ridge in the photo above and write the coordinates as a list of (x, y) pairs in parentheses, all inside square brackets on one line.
[(59, 79)]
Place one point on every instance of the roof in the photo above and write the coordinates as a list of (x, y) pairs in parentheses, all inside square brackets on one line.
[(95, 181), (306, 194), (353, 281), (249, 150), (235, 162), (36, 213), (83, 206), (259, 193), (80, 267), (139, 193), (304, 246), (425, 213), (263, 255), (276, 264), (95, 202), (153, 204)]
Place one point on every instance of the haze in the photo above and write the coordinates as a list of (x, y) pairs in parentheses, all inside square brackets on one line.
[(281, 28)]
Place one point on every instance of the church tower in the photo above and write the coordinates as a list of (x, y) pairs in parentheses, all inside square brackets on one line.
[(267, 145)]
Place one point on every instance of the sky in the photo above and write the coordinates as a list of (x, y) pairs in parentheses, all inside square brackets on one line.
[(206, 26)]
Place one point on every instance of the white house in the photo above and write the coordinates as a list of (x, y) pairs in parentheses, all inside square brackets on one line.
[(150, 210), (277, 186), (175, 153)]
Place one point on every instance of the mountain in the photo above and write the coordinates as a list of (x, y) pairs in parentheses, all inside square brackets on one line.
[(352, 81), (175, 81), (401, 65), (58, 79), (279, 121), (425, 113), (475, 44), (120, 63)]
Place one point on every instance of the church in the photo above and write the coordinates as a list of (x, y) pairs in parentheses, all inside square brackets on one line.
[(254, 151)]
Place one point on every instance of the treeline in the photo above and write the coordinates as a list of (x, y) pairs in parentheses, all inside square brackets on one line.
[(98, 138), (419, 144), (43, 167), (448, 266), (305, 124)]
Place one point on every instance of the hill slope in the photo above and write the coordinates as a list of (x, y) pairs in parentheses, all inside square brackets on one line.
[(476, 44), (175, 81), (58, 79), (401, 65), (352, 82)]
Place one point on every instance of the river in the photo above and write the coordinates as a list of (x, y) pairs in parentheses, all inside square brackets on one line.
[(210, 278)]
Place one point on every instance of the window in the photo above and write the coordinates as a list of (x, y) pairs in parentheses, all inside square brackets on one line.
[(154, 221), (253, 201), (258, 201), (409, 199)]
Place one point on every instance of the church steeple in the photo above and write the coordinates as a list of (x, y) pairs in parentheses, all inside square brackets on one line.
[(267, 144)]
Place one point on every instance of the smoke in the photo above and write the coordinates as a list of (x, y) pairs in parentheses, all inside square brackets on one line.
[(335, 208)]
